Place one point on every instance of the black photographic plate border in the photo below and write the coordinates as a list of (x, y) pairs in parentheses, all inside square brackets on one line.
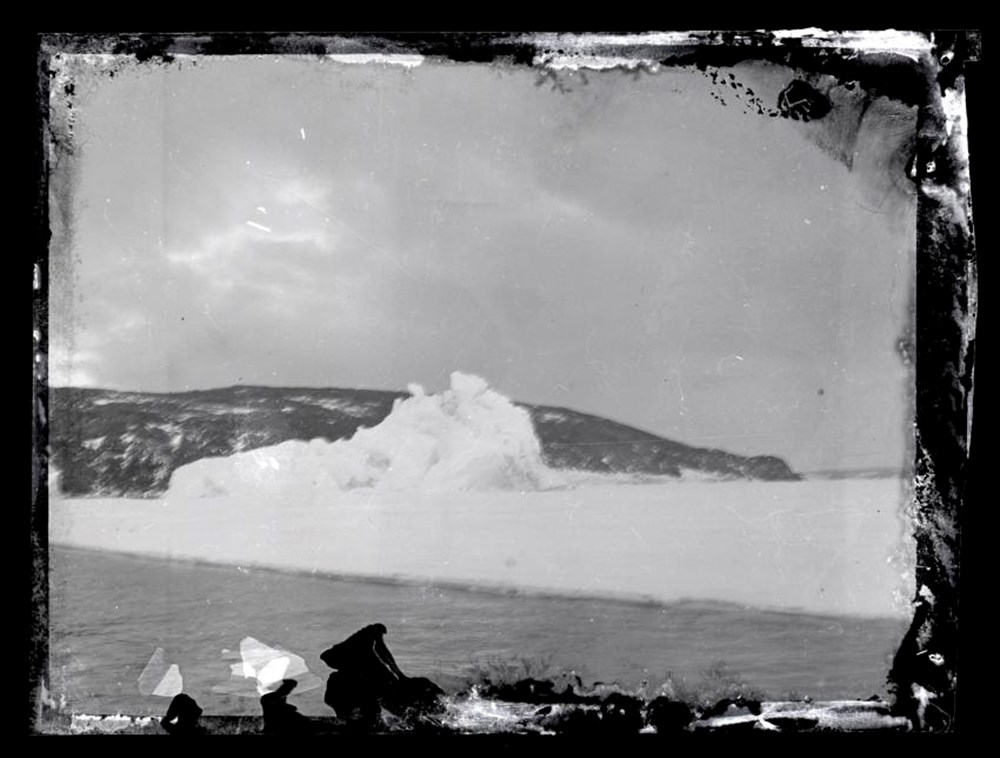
[(929, 70)]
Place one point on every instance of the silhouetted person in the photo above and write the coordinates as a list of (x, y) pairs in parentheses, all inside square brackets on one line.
[(280, 716), (367, 678), (182, 716)]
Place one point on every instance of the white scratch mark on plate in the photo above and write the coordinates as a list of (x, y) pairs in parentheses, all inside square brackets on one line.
[(596, 51), (255, 225), (885, 39), (408, 61)]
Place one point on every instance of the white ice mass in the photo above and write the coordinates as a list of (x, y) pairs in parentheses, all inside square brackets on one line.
[(451, 488), (468, 437)]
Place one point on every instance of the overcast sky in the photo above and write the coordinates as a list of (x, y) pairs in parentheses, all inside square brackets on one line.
[(625, 246)]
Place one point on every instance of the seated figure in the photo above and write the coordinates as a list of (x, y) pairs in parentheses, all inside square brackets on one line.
[(281, 717), (182, 716)]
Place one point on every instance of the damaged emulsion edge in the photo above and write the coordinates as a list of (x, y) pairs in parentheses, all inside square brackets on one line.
[(944, 235)]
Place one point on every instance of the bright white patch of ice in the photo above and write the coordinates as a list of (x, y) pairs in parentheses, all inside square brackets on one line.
[(160, 678), (820, 546), (268, 665), (552, 416), (333, 404), (171, 684)]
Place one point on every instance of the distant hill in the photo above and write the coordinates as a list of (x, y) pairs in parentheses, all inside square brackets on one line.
[(109, 443)]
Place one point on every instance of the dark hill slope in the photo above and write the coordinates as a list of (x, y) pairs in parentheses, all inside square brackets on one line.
[(126, 444)]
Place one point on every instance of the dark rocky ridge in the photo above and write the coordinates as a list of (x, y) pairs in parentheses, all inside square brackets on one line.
[(109, 443)]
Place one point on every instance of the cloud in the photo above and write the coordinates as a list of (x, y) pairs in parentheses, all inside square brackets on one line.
[(617, 241), (72, 368), (242, 252), (306, 190)]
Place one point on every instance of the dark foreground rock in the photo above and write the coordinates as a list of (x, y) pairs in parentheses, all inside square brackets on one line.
[(182, 717), (662, 716), (538, 692), (666, 715), (367, 679), (569, 719), (738, 706)]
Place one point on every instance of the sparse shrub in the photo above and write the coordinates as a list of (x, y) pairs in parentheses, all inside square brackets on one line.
[(497, 671), (718, 682), (517, 679)]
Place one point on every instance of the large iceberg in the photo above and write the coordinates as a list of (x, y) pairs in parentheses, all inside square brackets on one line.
[(468, 437)]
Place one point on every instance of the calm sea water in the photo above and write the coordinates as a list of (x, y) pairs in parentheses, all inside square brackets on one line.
[(109, 613)]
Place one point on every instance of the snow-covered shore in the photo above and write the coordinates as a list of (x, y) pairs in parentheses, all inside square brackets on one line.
[(832, 547)]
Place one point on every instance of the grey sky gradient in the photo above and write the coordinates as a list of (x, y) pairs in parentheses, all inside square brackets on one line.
[(630, 247)]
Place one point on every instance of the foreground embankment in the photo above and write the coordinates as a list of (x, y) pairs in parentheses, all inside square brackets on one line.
[(475, 716)]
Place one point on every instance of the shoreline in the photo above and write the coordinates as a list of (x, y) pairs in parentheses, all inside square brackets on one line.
[(482, 588), (826, 548)]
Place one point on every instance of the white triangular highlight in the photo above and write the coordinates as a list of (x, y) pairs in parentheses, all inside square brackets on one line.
[(268, 665), (171, 684), (273, 671), (153, 673)]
